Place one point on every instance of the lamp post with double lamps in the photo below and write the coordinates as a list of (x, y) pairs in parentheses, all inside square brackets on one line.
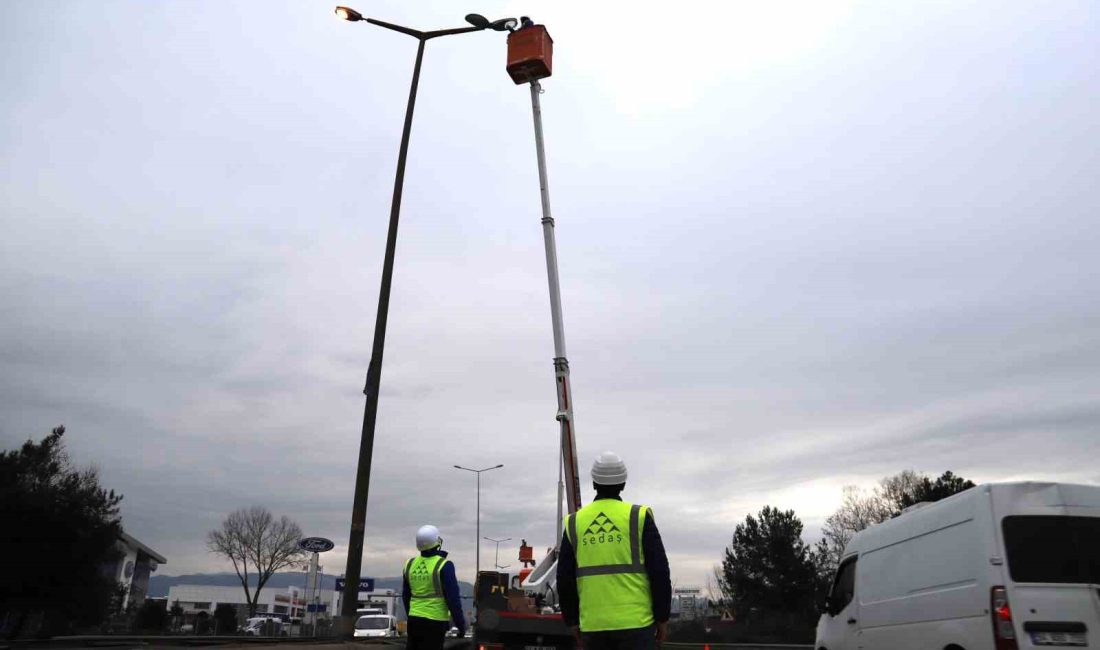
[(374, 369), (477, 545), (496, 554)]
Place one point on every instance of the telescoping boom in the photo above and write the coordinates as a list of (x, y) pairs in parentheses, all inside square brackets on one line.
[(528, 616)]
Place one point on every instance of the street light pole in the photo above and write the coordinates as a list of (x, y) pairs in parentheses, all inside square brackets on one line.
[(374, 369), (477, 544), (496, 554)]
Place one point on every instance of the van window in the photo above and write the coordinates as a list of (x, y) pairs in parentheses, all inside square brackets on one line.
[(1058, 549), (844, 587), (373, 623)]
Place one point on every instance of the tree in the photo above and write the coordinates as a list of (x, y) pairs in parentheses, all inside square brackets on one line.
[(929, 491), (857, 511), (176, 612), (61, 528), (767, 568), (152, 617), (252, 537), (225, 618), (118, 598)]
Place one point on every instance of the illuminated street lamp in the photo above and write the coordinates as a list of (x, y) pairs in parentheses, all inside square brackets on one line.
[(374, 369)]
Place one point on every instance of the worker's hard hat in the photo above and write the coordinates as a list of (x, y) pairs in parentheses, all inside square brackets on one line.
[(608, 469), (428, 538)]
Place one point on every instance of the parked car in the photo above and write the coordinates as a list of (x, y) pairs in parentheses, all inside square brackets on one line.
[(264, 626), (376, 625), (1004, 566)]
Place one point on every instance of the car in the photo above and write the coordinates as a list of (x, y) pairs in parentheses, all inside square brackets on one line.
[(263, 626), (375, 625), (1002, 566)]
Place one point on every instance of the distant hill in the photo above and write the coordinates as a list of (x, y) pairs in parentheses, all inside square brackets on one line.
[(159, 584)]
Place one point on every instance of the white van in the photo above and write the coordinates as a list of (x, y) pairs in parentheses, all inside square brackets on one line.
[(375, 625), (1004, 566), (264, 626)]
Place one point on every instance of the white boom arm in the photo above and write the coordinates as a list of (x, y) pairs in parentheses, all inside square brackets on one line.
[(544, 574), (561, 364)]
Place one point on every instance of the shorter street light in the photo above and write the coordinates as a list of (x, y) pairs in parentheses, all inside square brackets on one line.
[(477, 560), (496, 555)]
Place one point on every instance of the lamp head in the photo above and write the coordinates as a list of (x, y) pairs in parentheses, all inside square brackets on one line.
[(477, 20), (349, 14)]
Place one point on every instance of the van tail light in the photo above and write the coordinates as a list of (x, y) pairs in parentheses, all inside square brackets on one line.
[(1004, 634), (490, 646)]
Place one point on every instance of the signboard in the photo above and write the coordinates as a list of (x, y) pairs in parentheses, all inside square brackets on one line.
[(315, 607), (316, 544), (365, 584)]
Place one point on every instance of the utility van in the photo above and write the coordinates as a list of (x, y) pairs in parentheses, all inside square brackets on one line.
[(375, 625), (1003, 566)]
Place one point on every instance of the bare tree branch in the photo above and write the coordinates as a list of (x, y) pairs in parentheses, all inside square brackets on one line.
[(252, 536)]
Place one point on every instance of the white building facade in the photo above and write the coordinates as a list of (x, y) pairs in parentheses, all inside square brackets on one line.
[(285, 603), (136, 561)]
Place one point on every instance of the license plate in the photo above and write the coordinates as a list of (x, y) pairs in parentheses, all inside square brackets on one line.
[(1059, 638), (539, 647)]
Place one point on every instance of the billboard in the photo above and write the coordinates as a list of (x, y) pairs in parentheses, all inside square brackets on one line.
[(365, 584)]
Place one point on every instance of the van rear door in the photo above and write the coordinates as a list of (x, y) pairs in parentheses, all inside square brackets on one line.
[(1054, 566)]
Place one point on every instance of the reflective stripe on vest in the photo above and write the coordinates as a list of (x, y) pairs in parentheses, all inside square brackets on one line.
[(612, 582), (426, 587)]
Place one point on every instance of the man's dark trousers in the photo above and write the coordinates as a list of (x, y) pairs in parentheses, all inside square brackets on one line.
[(642, 638), (425, 634)]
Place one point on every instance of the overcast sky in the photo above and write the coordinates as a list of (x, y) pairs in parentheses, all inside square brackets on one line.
[(802, 245)]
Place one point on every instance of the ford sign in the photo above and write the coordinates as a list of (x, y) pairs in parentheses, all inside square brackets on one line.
[(316, 544)]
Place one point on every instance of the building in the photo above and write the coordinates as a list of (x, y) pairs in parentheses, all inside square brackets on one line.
[(288, 603), (388, 600), (688, 603), (132, 569), (285, 603)]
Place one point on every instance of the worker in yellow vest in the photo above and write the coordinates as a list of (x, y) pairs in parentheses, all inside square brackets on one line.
[(613, 577), (430, 593)]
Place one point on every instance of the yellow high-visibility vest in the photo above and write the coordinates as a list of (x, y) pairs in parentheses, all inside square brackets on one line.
[(611, 579), (426, 584)]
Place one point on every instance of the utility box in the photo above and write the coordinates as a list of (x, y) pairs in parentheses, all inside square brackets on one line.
[(530, 54)]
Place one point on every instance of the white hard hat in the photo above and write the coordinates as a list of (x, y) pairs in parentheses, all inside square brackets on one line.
[(428, 538), (608, 469)]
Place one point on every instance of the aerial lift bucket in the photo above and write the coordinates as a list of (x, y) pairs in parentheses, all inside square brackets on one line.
[(530, 54)]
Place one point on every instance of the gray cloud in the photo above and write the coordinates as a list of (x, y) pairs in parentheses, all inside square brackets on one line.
[(837, 242)]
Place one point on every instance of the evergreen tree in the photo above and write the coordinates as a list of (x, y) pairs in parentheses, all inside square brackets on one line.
[(60, 531)]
